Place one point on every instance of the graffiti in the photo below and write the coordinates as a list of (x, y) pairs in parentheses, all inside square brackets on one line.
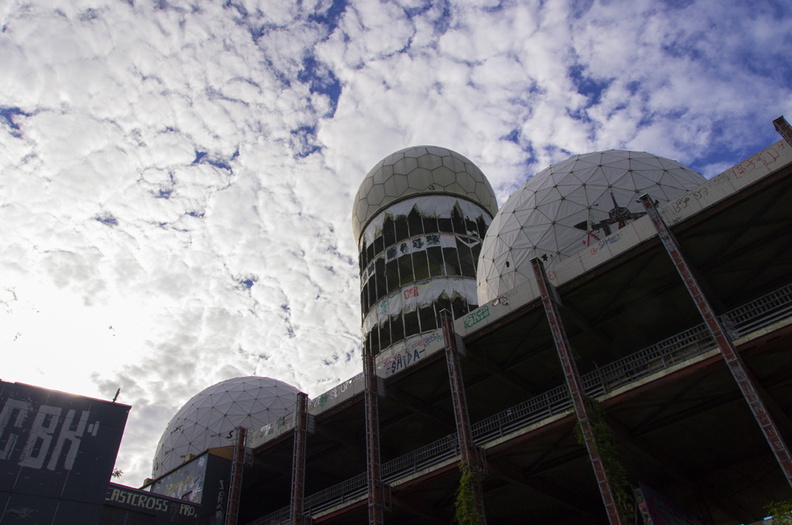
[(611, 239), (323, 399), (411, 292), (144, 500), (403, 360), (476, 316), (186, 483), (417, 244), (383, 308), (135, 499), (50, 435), (279, 425), (220, 507), (412, 352), (682, 203), (761, 159)]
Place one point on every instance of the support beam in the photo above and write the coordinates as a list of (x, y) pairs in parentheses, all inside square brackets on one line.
[(467, 447), (235, 484), (376, 508), (298, 459), (731, 357), (576, 390)]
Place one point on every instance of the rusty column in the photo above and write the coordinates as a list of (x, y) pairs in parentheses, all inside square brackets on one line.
[(467, 447), (374, 476), (575, 390), (298, 459), (784, 129), (235, 485), (730, 355)]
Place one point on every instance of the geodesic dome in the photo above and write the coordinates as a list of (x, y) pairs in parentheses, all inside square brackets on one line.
[(208, 419), (565, 207), (419, 169)]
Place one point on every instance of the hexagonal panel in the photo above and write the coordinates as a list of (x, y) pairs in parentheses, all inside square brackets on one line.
[(444, 177), (405, 166), (396, 185)]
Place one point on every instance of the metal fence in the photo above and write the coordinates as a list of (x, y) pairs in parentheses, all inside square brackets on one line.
[(692, 342)]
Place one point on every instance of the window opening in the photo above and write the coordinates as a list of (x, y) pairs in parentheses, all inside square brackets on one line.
[(430, 224), (435, 256), (405, 270), (457, 220), (392, 274), (426, 316), (411, 326), (451, 261), (415, 223), (401, 228), (389, 231), (397, 328), (420, 265), (379, 245), (382, 280), (385, 333), (466, 259)]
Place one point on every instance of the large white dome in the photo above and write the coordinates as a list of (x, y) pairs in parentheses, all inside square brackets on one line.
[(563, 208), (210, 417), (419, 169)]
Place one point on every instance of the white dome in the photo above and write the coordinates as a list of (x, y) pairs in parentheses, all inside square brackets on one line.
[(556, 213), (209, 418), (419, 169)]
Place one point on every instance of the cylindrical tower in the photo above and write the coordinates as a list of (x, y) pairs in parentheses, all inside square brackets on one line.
[(419, 219)]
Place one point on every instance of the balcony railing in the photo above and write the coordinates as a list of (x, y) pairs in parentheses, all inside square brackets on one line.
[(695, 341)]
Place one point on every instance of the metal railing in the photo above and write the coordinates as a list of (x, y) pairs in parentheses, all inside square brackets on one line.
[(662, 355)]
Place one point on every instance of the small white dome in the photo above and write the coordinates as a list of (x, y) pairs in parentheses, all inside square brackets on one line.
[(419, 169), (556, 213), (210, 417)]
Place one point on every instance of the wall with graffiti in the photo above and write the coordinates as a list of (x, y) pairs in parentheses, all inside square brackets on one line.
[(57, 452)]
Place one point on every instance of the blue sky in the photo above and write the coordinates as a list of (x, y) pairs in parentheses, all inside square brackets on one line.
[(176, 177)]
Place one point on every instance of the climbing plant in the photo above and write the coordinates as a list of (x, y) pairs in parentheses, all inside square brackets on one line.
[(609, 455), (465, 510), (781, 511)]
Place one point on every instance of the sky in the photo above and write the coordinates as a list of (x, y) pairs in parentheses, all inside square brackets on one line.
[(177, 176)]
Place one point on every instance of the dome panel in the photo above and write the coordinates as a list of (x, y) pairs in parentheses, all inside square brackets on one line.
[(564, 205), (405, 166), (209, 418), (430, 161), (453, 163)]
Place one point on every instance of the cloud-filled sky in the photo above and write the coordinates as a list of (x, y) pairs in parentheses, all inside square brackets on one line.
[(177, 176)]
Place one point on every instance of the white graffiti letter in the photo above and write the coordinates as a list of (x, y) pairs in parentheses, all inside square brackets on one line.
[(5, 417), (72, 436), (40, 437)]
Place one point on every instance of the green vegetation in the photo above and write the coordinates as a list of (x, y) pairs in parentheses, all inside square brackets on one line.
[(781, 511), (465, 510), (609, 454)]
